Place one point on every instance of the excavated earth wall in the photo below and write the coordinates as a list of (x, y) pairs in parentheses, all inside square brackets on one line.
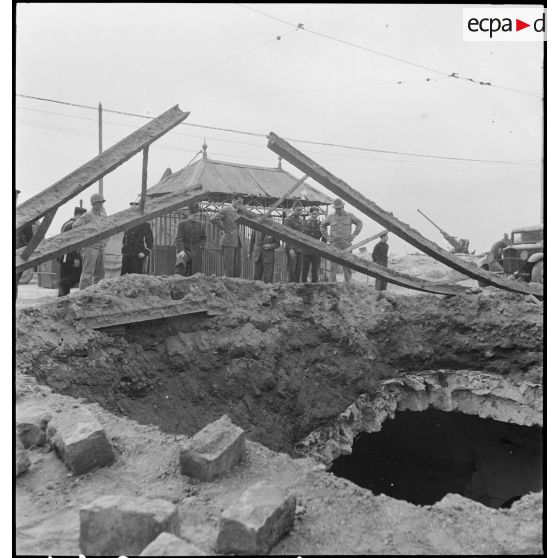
[(303, 369), (289, 355)]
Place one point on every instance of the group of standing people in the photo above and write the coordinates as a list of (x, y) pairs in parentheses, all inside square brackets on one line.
[(86, 267)]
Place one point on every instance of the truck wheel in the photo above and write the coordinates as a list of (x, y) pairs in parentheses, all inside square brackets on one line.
[(537, 273)]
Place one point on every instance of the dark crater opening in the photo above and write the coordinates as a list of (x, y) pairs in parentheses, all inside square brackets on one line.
[(422, 456)]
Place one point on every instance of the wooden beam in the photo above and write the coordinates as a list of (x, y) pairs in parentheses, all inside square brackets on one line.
[(38, 236), (145, 314), (285, 196), (92, 232), (365, 241), (391, 223), (92, 171), (143, 179), (314, 246)]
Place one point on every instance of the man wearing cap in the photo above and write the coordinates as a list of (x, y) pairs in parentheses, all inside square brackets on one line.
[(294, 255), (137, 244), (69, 272), (311, 228), (380, 256), (93, 256), (341, 235), (189, 241), (231, 240)]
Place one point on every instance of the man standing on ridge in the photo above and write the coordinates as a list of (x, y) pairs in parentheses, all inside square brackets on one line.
[(380, 257), (294, 255), (93, 256), (341, 236), (231, 243)]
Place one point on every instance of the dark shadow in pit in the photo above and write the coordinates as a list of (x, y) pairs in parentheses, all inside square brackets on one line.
[(422, 456)]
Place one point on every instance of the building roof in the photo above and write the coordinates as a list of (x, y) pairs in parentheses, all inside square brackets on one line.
[(258, 185)]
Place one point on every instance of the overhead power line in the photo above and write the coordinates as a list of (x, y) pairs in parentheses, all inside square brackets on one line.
[(199, 71), (262, 135), (385, 55)]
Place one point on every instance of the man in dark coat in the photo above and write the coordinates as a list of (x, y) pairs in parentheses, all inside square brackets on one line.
[(189, 241), (22, 238), (380, 256), (69, 272), (262, 252), (294, 255), (311, 227), (136, 246)]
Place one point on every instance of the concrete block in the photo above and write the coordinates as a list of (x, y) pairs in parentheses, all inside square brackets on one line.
[(22, 461), (124, 525), (257, 521), (169, 545), (80, 441), (31, 425), (213, 450)]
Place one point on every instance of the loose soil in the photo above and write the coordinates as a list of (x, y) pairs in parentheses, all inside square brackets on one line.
[(281, 361)]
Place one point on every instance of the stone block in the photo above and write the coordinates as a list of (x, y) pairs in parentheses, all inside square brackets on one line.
[(22, 461), (124, 525), (257, 521), (80, 441), (213, 450), (169, 545), (31, 425)]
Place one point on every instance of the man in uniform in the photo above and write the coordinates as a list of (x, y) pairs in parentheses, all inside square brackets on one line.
[(70, 264), (189, 241), (380, 257), (231, 243), (93, 256), (341, 236), (262, 252), (137, 243), (294, 255), (311, 227)]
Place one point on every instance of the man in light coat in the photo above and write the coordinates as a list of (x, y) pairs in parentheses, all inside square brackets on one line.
[(93, 256), (341, 234), (231, 243)]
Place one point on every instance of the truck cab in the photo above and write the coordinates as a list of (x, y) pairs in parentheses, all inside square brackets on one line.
[(524, 258)]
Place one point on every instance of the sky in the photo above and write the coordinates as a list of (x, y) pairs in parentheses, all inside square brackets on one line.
[(235, 68)]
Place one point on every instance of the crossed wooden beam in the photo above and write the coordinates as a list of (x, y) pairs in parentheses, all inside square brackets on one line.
[(47, 202)]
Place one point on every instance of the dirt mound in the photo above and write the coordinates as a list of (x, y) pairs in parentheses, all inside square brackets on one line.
[(425, 267), (293, 354)]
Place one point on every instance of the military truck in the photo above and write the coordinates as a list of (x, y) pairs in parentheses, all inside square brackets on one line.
[(523, 258)]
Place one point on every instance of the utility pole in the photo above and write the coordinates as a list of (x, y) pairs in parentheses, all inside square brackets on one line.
[(100, 142), (543, 173)]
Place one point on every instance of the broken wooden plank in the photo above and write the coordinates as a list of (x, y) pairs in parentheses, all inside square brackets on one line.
[(143, 179), (146, 314), (365, 241), (315, 246), (38, 236), (285, 196), (109, 226), (89, 173), (391, 223)]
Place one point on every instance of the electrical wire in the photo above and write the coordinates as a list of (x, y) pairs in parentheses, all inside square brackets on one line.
[(261, 135), (396, 58), (201, 70)]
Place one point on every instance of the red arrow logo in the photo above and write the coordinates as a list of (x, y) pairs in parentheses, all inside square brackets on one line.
[(519, 25)]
